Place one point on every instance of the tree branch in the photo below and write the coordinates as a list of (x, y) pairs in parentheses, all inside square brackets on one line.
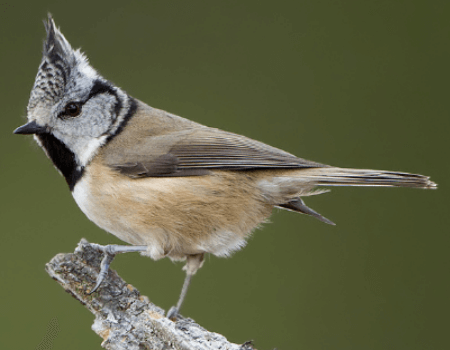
[(124, 318)]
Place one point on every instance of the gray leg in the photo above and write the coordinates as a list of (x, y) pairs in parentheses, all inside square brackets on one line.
[(110, 252), (193, 263), (174, 310)]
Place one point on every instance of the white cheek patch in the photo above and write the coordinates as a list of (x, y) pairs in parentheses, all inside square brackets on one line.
[(84, 149), (86, 152)]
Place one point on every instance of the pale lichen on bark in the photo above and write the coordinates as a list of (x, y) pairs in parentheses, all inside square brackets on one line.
[(124, 318)]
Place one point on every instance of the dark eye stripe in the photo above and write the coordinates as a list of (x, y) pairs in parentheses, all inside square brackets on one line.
[(101, 87)]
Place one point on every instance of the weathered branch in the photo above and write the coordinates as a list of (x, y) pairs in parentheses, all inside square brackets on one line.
[(124, 318)]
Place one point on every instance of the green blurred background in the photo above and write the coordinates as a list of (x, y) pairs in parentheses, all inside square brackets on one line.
[(348, 83)]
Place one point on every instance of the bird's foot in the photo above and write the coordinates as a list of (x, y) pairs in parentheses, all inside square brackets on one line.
[(172, 314), (109, 252), (108, 257)]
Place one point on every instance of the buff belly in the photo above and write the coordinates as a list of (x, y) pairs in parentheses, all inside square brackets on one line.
[(173, 216)]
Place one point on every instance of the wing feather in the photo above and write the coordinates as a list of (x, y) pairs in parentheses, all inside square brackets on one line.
[(199, 150)]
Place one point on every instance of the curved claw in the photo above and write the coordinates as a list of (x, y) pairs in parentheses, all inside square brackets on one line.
[(104, 268), (99, 281), (110, 251)]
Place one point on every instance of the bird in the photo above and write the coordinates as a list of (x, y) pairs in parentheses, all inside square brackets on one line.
[(166, 185)]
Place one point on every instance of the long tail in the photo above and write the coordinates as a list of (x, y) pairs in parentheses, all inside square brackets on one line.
[(331, 176), (365, 177)]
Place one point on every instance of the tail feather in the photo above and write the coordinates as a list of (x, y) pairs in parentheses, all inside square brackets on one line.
[(287, 190), (299, 206), (365, 177)]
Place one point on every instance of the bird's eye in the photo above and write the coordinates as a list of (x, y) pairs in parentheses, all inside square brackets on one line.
[(72, 109)]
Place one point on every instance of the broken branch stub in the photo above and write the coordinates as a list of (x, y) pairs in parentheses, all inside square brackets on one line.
[(124, 318)]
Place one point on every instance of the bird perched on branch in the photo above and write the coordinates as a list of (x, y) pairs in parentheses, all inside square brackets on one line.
[(166, 185)]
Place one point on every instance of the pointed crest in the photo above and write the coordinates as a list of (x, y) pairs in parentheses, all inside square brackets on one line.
[(56, 47), (58, 63)]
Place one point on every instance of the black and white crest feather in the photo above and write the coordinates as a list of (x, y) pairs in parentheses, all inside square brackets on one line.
[(58, 66)]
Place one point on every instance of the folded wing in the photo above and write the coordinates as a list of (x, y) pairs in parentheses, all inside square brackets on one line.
[(197, 151)]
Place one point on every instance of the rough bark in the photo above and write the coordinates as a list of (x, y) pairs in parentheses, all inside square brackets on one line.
[(124, 318)]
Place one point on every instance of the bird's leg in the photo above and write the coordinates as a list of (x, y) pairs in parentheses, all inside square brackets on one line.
[(193, 263), (110, 252)]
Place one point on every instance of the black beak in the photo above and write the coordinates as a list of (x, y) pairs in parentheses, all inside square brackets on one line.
[(30, 128)]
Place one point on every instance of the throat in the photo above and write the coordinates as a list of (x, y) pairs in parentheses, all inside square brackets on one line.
[(62, 157)]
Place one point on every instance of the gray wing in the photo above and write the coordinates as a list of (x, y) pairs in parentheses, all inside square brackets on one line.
[(197, 151)]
